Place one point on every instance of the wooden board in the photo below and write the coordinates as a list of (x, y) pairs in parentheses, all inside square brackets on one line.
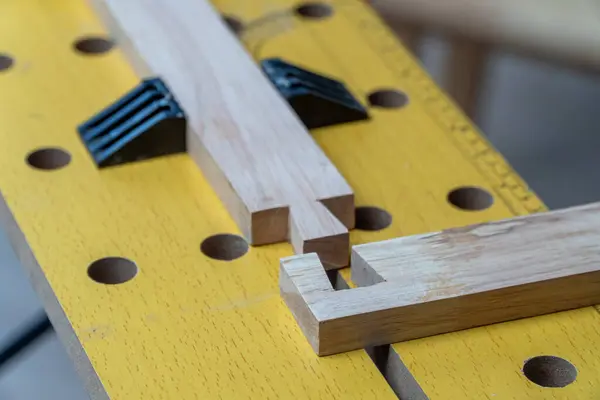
[(190, 326), (262, 162), (423, 285)]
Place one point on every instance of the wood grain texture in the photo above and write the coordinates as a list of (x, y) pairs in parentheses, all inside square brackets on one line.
[(428, 284), (262, 162), (557, 30), (189, 326)]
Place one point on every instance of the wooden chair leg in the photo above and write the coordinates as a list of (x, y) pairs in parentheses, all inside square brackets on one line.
[(408, 32), (464, 72)]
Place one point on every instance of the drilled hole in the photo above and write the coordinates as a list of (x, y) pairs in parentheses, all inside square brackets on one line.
[(112, 270), (314, 10), (550, 371), (49, 158), (235, 24), (388, 98), (372, 218), (93, 45), (470, 198), (224, 247), (6, 62)]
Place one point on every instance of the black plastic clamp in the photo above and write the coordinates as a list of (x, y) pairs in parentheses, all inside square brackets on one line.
[(319, 101), (145, 123)]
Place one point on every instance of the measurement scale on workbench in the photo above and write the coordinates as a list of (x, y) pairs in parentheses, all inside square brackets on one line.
[(193, 327)]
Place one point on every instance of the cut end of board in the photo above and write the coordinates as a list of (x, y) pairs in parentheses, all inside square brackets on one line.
[(333, 250), (314, 229), (309, 228), (301, 277), (343, 208), (269, 226)]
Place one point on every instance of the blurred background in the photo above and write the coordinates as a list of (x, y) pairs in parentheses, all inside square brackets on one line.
[(540, 113), (542, 117)]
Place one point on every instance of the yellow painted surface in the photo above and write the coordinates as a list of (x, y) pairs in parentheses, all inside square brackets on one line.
[(485, 363), (190, 327)]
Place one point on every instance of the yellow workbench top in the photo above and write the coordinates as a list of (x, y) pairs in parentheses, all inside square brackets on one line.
[(188, 326)]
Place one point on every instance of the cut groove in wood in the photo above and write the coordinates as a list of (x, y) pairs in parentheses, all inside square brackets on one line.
[(423, 285), (273, 178), (402, 382)]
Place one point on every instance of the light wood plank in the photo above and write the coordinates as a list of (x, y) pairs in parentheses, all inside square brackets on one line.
[(427, 284), (263, 163)]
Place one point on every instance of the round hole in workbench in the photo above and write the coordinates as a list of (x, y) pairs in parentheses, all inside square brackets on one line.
[(93, 45), (49, 158), (224, 247), (234, 24), (370, 218), (314, 10), (112, 270), (6, 62), (388, 98), (470, 198), (550, 371)]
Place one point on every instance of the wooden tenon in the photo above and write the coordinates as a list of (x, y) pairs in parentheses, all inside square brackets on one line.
[(428, 284), (275, 181)]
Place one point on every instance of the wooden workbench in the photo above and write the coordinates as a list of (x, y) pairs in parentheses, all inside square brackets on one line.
[(187, 326)]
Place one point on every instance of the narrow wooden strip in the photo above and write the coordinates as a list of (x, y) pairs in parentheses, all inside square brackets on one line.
[(258, 156), (423, 285)]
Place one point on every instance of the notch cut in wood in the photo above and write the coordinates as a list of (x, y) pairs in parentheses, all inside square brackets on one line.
[(275, 181), (423, 285)]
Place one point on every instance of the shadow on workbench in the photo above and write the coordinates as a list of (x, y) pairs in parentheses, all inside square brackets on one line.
[(542, 118)]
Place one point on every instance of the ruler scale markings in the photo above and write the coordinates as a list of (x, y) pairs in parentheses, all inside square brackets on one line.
[(376, 37)]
